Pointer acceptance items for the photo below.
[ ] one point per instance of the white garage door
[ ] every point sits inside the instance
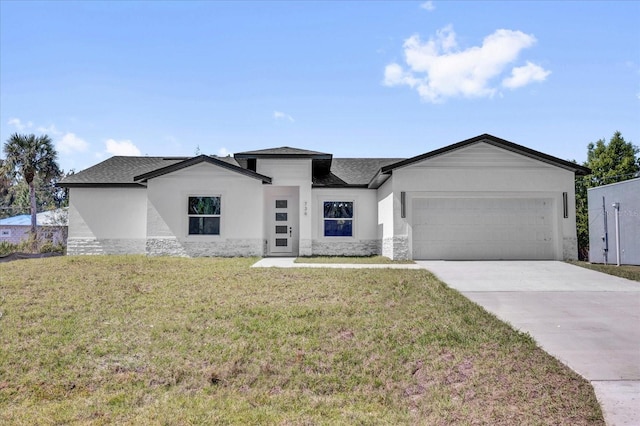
(483, 228)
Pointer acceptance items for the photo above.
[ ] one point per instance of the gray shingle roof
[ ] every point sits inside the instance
(353, 171)
(371, 172)
(119, 170)
(282, 151)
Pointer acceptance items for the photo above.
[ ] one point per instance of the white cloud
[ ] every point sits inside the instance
(428, 5)
(223, 152)
(18, 124)
(394, 75)
(279, 115)
(71, 143)
(123, 147)
(51, 129)
(521, 76)
(437, 69)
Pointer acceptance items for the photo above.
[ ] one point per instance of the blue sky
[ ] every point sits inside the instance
(355, 79)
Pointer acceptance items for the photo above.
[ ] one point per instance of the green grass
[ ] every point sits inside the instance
(136, 340)
(351, 260)
(630, 272)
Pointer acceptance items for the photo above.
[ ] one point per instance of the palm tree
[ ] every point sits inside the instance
(29, 157)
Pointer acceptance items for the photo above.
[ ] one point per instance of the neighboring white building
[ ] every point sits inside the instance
(482, 198)
(620, 199)
(52, 226)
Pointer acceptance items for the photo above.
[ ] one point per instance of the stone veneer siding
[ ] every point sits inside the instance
(169, 246)
(305, 248)
(396, 248)
(225, 248)
(345, 248)
(165, 247)
(89, 246)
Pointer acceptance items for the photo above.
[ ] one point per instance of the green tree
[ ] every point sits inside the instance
(611, 162)
(6, 193)
(30, 158)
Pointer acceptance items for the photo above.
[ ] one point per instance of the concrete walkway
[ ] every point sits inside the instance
(588, 320)
(289, 262)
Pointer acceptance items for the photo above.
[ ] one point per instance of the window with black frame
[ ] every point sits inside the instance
(204, 215)
(338, 218)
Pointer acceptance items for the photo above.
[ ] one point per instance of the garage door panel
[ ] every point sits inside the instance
(483, 228)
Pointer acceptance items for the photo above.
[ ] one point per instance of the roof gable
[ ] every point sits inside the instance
(483, 155)
(497, 142)
(197, 160)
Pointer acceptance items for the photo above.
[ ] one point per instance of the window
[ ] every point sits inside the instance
(204, 215)
(5, 233)
(338, 218)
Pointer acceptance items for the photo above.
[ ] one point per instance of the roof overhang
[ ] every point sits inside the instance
(101, 185)
(331, 186)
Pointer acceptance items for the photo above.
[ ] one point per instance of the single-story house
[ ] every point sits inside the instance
(51, 225)
(482, 198)
(620, 199)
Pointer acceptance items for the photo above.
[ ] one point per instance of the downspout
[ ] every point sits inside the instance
(616, 206)
(605, 238)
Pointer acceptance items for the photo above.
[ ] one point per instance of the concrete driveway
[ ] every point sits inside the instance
(588, 320)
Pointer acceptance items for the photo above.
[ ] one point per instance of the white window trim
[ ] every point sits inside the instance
(200, 236)
(323, 219)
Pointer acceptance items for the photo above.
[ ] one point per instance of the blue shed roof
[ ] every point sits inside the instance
(49, 218)
(22, 219)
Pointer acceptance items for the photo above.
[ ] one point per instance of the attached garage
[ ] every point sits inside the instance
(484, 228)
(480, 199)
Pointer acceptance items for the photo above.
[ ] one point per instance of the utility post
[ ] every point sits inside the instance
(616, 206)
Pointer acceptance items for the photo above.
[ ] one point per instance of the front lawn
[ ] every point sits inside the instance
(136, 340)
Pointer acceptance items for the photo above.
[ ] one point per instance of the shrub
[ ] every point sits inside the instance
(7, 248)
(50, 247)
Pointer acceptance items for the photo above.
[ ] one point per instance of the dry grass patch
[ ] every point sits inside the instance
(630, 272)
(136, 340)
